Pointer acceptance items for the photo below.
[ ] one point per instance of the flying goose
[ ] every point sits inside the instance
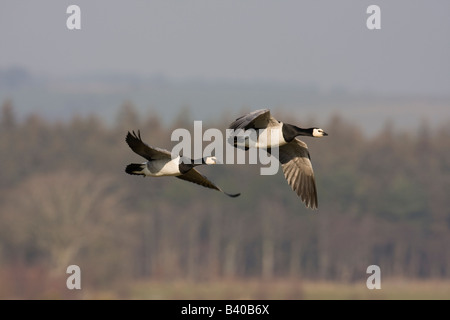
(160, 163)
(293, 153)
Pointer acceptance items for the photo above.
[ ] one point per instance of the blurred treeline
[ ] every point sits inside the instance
(65, 199)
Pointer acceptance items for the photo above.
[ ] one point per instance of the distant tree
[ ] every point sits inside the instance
(64, 196)
(63, 217)
(127, 117)
(7, 118)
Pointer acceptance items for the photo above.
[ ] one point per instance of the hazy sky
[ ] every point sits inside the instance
(325, 42)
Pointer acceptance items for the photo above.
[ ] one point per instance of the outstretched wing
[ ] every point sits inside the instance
(298, 171)
(136, 144)
(258, 119)
(196, 177)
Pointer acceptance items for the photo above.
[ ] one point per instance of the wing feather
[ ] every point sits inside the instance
(196, 177)
(136, 144)
(258, 119)
(298, 171)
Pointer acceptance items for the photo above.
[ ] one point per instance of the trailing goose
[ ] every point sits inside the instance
(160, 163)
(293, 153)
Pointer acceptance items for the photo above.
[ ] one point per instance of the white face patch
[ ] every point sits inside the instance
(317, 132)
(210, 160)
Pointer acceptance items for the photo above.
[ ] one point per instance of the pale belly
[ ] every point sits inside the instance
(159, 168)
(270, 138)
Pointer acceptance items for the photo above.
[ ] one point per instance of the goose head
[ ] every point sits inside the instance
(210, 160)
(290, 132)
(318, 133)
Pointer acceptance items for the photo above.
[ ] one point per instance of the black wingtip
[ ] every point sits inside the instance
(129, 137)
(233, 195)
(134, 168)
(133, 135)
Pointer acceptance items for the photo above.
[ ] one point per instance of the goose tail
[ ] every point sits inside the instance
(135, 168)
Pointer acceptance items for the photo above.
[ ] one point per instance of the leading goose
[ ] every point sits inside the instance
(160, 163)
(293, 153)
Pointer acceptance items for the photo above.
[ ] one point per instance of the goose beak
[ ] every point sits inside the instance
(325, 134)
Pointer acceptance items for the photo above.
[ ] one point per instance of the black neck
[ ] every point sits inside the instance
(290, 132)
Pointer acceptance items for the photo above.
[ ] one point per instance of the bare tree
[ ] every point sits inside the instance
(59, 214)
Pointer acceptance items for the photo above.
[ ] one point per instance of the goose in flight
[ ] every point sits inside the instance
(160, 163)
(293, 153)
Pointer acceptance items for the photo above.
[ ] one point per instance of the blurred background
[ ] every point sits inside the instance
(68, 98)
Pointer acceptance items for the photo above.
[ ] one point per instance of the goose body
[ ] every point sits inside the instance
(293, 153)
(160, 168)
(270, 137)
(160, 163)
